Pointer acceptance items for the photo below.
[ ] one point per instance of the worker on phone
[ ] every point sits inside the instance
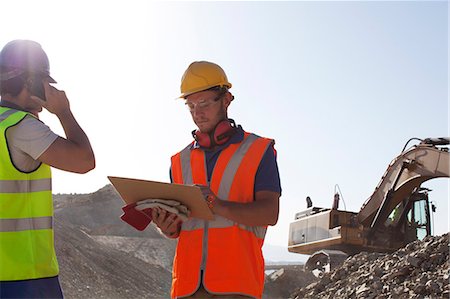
(28, 264)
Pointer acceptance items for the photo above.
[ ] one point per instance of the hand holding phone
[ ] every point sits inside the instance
(51, 98)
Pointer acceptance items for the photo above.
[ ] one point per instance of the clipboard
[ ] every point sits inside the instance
(133, 190)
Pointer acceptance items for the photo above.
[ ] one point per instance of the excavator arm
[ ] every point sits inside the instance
(403, 177)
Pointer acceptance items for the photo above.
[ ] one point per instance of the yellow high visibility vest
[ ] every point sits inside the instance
(26, 214)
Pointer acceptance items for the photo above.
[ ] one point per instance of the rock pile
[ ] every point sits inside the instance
(419, 270)
(281, 283)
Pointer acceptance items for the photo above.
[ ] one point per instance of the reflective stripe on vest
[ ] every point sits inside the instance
(26, 214)
(6, 114)
(189, 167)
(15, 225)
(23, 186)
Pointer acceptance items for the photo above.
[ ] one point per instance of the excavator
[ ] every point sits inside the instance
(397, 213)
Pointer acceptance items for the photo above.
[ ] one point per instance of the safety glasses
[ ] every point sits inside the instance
(202, 104)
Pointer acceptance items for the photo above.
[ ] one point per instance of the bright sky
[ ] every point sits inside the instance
(340, 86)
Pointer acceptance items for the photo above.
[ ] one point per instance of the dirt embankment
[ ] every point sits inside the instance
(100, 256)
(89, 269)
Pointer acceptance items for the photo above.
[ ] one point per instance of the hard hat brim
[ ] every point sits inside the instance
(188, 93)
(51, 80)
(17, 72)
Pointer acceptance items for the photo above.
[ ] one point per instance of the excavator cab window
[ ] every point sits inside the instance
(418, 224)
(419, 219)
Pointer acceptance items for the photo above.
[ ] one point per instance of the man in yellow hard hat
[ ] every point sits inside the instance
(28, 264)
(221, 258)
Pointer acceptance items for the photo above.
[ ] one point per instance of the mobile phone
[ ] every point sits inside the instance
(37, 88)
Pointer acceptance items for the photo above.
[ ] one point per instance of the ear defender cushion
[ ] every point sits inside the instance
(202, 139)
(222, 132)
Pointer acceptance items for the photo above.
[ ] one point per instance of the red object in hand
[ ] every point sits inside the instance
(137, 219)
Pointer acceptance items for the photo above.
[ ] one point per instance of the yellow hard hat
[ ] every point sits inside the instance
(202, 75)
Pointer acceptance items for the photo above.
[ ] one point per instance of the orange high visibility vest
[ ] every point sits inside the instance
(228, 253)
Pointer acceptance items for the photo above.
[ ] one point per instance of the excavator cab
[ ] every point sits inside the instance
(412, 218)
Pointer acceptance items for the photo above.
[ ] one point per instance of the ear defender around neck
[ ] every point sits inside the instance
(220, 135)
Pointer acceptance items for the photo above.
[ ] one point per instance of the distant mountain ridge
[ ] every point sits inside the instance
(280, 255)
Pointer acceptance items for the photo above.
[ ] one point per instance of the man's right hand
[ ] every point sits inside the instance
(56, 100)
(168, 223)
(73, 153)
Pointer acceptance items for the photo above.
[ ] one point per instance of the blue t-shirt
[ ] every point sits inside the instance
(267, 176)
